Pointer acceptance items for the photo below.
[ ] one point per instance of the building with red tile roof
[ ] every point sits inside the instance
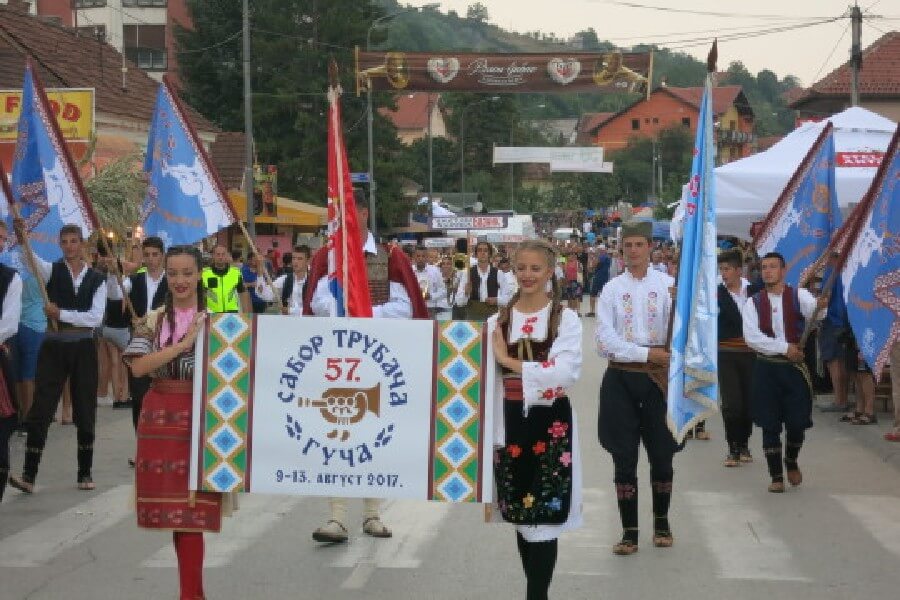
(124, 95)
(879, 84)
(669, 107)
(411, 116)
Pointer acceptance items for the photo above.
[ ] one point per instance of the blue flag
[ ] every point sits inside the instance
(693, 368)
(806, 215)
(45, 184)
(871, 274)
(185, 200)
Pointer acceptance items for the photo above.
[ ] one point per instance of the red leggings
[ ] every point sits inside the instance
(189, 549)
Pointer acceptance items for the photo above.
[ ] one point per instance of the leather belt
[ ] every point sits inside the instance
(512, 389)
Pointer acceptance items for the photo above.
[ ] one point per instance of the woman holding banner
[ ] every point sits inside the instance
(537, 467)
(163, 348)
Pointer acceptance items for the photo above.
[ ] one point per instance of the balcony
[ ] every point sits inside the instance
(730, 136)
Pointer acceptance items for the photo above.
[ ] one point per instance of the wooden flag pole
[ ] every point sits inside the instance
(126, 301)
(32, 262)
(259, 259)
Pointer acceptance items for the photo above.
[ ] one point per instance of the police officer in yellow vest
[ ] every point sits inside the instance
(224, 285)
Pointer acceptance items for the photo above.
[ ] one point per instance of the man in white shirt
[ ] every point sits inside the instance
(291, 287)
(632, 326)
(77, 303)
(484, 291)
(395, 295)
(774, 320)
(431, 283)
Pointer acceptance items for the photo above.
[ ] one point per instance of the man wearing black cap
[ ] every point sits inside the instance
(632, 327)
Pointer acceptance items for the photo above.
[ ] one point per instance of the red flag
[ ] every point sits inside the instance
(347, 275)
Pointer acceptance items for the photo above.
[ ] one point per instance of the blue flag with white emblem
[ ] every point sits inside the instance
(806, 215)
(46, 186)
(693, 367)
(185, 200)
(871, 273)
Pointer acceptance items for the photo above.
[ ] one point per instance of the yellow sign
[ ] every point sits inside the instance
(73, 107)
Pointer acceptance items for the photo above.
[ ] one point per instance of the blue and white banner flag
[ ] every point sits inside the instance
(185, 200)
(806, 215)
(45, 184)
(871, 274)
(693, 367)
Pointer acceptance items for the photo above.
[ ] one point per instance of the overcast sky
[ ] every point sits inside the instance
(808, 53)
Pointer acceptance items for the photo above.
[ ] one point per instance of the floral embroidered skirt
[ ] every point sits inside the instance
(533, 472)
(162, 468)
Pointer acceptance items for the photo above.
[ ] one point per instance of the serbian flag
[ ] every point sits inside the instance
(185, 199)
(806, 215)
(348, 278)
(45, 185)
(693, 367)
(871, 269)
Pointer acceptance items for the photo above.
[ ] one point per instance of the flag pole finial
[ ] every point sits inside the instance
(713, 57)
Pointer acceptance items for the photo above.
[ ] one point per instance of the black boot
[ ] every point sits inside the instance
(662, 498)
(85, 460)
(791, 452)
(776, 471)
(4, 475)
(627, 496)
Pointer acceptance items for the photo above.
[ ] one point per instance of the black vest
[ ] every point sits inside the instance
(6, 277)
(288, 288)
(138, 293)
(731, 323)
(61, 288)
(493, 286)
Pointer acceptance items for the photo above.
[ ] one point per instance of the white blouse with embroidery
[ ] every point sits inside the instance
(633, 314)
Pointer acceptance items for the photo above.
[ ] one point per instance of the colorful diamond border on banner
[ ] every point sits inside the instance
(458, 413)
(227, 386)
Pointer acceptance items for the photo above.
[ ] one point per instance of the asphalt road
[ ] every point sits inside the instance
(835, 537)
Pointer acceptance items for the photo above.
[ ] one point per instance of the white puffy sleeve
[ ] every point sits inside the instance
(543, 382)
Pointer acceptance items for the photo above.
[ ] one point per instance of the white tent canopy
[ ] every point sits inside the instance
(746, 189)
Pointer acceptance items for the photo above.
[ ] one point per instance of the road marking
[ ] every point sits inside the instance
(880, 515)
(40, 543)
(414, 523)
(257, 514)
(587, 551)
(740, 538)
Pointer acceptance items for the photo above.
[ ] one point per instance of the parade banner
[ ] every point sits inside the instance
(806, 214)
(382, 408)
(495, 73)
(586, 156)
(185, 199)
(72, 107)
(693, 369)
(46, 186)
(871, 270)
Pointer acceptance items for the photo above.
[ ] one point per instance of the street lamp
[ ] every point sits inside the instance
(370, 117)
(462, 142)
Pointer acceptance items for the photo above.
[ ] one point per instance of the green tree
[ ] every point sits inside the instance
(477, 12)
(292, 42)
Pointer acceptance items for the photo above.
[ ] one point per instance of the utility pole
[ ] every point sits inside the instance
(431, 99)
(855, 53)
(248, 128)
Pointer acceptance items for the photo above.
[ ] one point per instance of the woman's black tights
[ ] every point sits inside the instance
(538, 561)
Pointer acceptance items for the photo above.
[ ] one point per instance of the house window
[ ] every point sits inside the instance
(656, 120)
(145, 2)
(686, 121)
(647, 121)
(732, 125)
(89, 3)
(97, 32)
(635, 124)
(145, 46)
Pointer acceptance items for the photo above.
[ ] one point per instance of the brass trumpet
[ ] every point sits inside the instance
(395, 69)
(345, 406)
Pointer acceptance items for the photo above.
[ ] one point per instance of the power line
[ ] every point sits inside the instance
(216, 45)
(705, 13)
(830, 54)
(730, 38)
(718, 30)
(307, 41)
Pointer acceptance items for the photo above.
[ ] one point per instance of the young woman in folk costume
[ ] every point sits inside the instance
(537, 467)
(163, 348)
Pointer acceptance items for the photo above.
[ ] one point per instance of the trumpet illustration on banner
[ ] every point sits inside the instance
(395, 69)
(344, 407)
